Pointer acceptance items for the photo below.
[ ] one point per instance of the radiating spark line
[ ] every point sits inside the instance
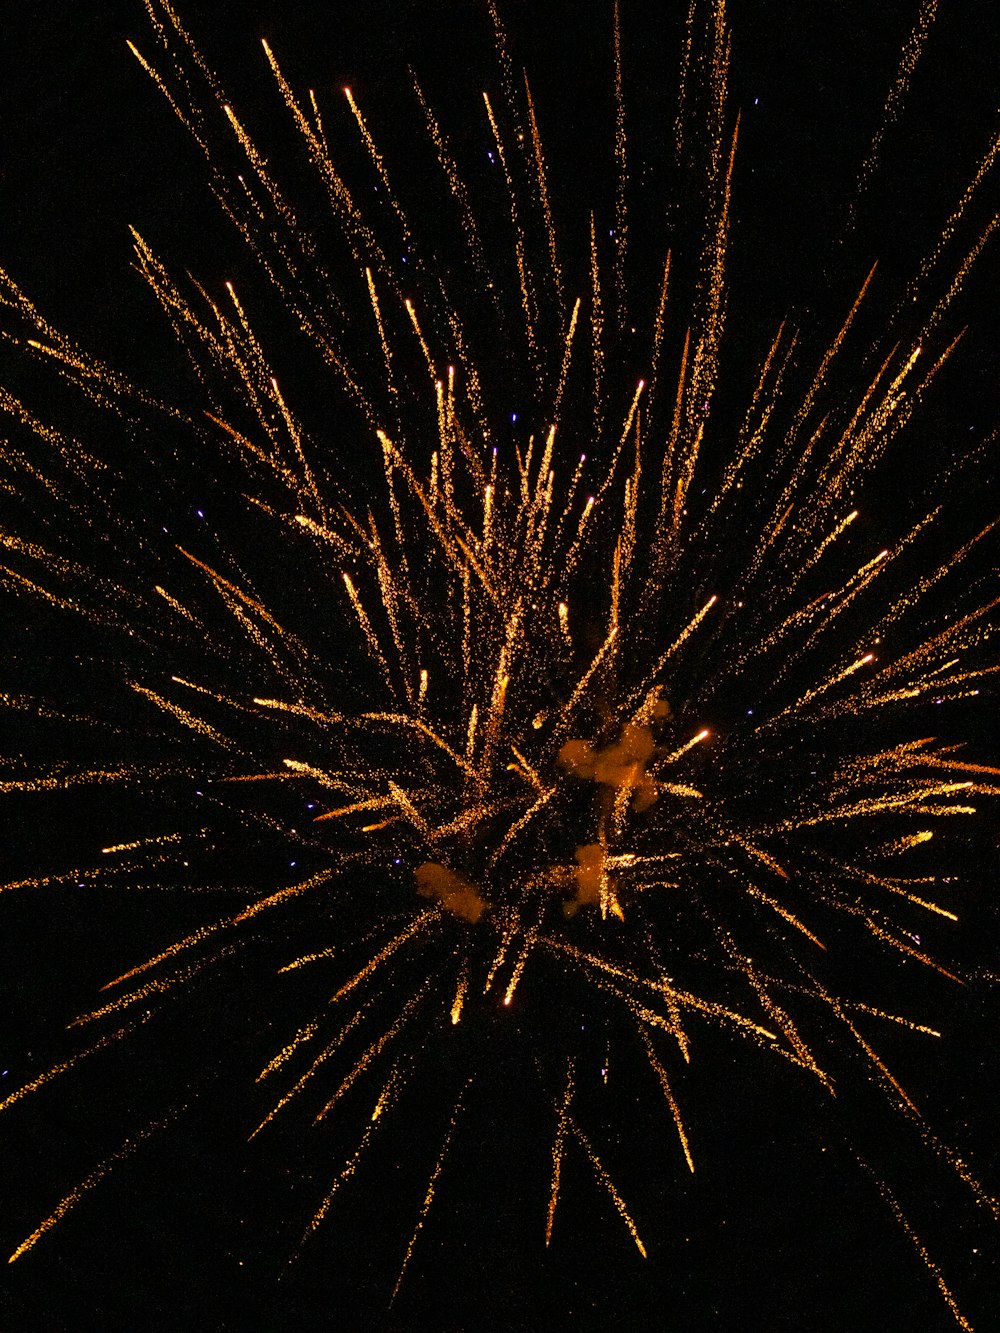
(621, 212)
(303, 1035)
(189, 720)
(156, 986)
(670, 993)
(66, 781)
(790, 917)
(385, 1099)
(373, 1051)
(543, 195)
(206, 932)
(908, 61)
(608, 1183)
(54, 1071)
(920, 1248)
(688, 745)
(429, 1196)
(330, 1049)
(156, 841)
(307, 958)
(69, 1201)
(661, 1074)
(459, 1000)
(557, 1152)
(415, 926)
(527, 301)
(873, 1057)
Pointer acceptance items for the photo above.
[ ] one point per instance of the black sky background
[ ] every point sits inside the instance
(779, 1229)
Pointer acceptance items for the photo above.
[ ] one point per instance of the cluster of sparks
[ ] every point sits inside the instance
(546, 769)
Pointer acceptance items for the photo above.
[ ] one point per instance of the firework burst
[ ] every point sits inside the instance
(557, 712)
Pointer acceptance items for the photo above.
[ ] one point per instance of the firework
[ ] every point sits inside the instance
(589, 732)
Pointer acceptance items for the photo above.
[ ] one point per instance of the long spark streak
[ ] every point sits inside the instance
(428, 1197)
(608, 1183)
(70, 1200)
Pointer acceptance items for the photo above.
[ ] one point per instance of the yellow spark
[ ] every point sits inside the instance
(557, 1152)
(662, 988)
(304, 1034)
(324, 533)
(873, 1057)
(688, 745)
(828, 684)
(522, 958)
(385, 1100)
(661, 1074)
(429, 1196)
(317, 1063)
(95, 1177)
(307, 958)
(459, 1000)
(790, 917)
(910, 55)
(189, 720)
(159, 841)
(523, 272)
(55, 1070)
(543, 193)
(374, 1050)
(366, 626)
(156, 986)
(487, 513)
(404, 936)
(470, 740)
(905, 843)
(174, 603)
(64, 781)
(921, 1249)
(608, 1184)
(685, 633)
(908, 949)
(373, 803)
(303, 710)
(758, 854)
(526, 769)
(418, 724)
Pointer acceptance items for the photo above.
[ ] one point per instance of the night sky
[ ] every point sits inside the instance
(779, 1228)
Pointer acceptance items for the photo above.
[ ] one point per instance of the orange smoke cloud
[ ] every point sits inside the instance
(455, 894)
(621, 766)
